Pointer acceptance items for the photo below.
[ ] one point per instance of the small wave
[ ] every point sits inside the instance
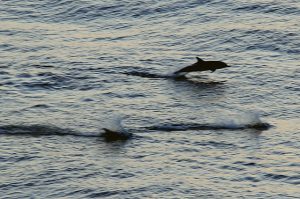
(291, 179)
(216, 144)
(53, 81)
(102, 194)
(70, 10)
(274, 176)
(40, 106)
(47, 80)
(245, 163)
(250, 178)
(280, 8)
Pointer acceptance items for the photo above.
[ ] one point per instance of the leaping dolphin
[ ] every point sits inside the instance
(202, 65)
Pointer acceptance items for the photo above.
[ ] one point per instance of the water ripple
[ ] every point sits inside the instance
(80, 64)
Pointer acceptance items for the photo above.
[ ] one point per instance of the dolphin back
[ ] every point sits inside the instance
(202, 65)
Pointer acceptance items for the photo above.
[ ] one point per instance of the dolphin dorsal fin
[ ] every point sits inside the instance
(199, 60)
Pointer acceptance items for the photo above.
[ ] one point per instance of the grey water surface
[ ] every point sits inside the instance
(70, 68)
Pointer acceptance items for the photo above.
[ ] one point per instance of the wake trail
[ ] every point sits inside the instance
(116, 130)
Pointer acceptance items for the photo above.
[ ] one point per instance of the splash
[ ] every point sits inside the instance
(241, 120)
(115, 124)
(115, 131)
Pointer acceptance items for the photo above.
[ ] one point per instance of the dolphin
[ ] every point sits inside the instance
(110, 135)
(202, 65)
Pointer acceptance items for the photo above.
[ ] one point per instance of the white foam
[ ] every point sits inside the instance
(238, 120)
(115, 124)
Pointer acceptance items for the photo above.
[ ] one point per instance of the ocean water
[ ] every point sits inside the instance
(70, 68)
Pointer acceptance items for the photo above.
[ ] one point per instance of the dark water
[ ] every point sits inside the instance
(70, 68)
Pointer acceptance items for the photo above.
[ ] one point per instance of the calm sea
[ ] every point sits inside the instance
(70, 68)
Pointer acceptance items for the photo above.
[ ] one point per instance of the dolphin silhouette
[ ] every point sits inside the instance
(110, 135)
(202, 65)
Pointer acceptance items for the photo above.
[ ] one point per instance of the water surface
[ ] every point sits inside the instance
(70, 68)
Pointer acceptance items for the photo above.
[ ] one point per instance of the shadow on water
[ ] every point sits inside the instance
(170, 76)
(110, 147)
(197, 87)
(201, 84)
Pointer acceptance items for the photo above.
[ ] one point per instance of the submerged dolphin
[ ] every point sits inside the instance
(202, 65)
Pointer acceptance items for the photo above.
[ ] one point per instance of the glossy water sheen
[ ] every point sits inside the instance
(70, 68)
